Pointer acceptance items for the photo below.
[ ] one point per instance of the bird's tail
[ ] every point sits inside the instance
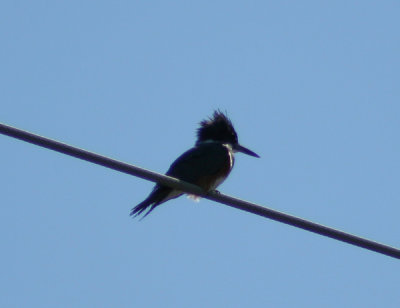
(159, 195)
(148, 204)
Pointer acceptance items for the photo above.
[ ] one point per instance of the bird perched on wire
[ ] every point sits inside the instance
(207, 164)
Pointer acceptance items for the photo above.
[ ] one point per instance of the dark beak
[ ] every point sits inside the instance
(242, 149)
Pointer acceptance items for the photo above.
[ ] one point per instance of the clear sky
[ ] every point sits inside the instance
(311, 86)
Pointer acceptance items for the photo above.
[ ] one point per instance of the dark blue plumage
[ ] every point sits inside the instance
(207, 164)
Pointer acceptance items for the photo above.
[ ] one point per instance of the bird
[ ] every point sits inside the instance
(206, 165)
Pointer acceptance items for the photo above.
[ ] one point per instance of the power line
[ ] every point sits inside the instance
(193, 189)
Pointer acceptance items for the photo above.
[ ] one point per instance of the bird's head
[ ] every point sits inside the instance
(218, 128)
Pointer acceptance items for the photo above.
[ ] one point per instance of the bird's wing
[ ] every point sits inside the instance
(199, 163)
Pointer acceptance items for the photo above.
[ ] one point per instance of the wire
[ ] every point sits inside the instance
(193, 189)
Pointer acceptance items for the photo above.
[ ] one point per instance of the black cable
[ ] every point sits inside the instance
(192, 189)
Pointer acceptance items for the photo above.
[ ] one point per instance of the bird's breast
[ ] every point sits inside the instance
(223, 164)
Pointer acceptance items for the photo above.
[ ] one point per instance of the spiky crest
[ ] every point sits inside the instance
(218, 127)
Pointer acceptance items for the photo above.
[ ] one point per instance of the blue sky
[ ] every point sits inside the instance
(311, 86)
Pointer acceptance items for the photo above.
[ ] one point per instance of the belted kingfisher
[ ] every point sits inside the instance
(207, 164)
